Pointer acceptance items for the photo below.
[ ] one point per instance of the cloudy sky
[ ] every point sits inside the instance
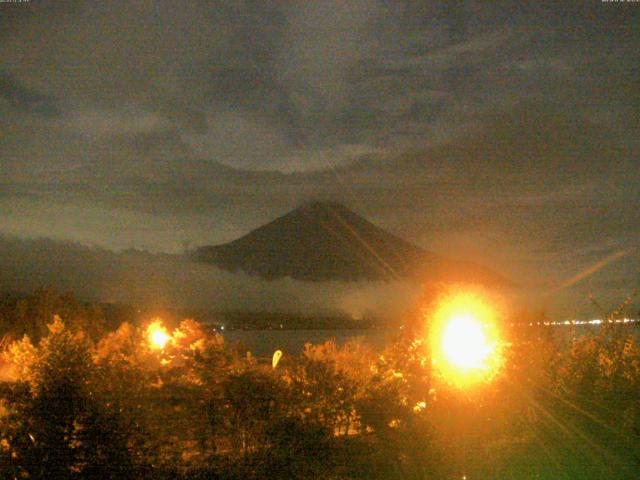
(506, 131)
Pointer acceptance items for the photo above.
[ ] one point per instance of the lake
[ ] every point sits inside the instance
(262, 343)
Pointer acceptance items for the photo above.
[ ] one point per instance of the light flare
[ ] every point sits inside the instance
(157, 335)
(465, 342)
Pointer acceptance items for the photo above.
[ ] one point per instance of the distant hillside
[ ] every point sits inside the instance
(326, 241)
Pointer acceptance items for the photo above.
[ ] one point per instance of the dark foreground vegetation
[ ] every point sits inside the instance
(82, 399)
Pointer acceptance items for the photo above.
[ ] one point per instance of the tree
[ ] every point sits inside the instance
(55, 427)
(253, 399)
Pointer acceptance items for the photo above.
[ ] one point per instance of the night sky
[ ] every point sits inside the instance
(504, 132)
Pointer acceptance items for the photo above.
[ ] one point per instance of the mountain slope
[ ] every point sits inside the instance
(326, 241)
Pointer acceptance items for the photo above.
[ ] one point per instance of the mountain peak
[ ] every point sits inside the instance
(322, 241)
(321, 205)
(316, 209)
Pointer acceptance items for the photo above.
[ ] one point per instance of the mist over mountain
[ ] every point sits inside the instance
(159, 280)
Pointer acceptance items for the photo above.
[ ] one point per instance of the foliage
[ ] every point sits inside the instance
(55, 427)
(116, 405)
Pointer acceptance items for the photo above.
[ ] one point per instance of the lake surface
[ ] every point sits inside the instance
(262, 343)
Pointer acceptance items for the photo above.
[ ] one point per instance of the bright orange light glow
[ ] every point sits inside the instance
(157, 335)
(465, 343)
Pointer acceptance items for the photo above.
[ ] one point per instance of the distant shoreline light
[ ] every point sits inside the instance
(595, 321)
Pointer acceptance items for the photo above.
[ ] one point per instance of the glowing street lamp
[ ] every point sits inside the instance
(464, 340)
(465, 344)
(157, 335)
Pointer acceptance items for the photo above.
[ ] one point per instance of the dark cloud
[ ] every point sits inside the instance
(19, 98)
(299, 82)
(456, 124)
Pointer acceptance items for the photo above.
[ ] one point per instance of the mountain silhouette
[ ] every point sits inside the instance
(322, 241)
